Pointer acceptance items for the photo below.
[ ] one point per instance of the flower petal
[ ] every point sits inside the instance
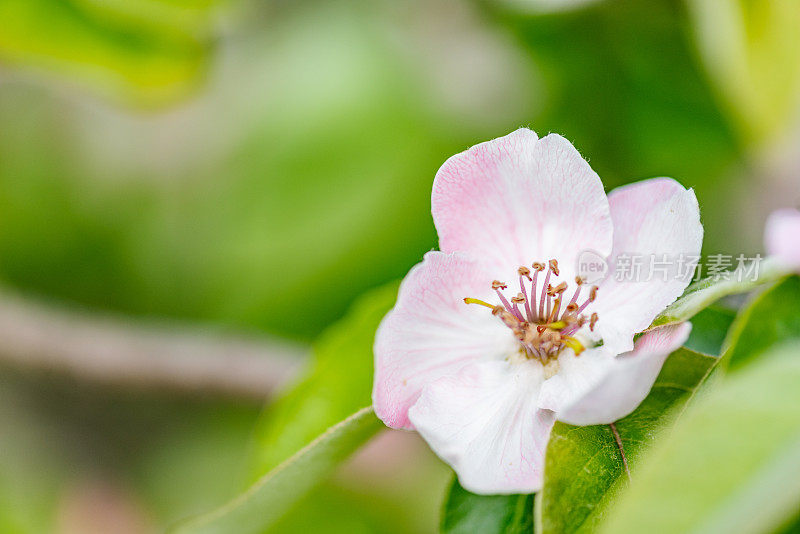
(628, 379)
(519, 199)
(657, 219)
(485, 424)
(782, 237)
(576, 375)
(431, 332)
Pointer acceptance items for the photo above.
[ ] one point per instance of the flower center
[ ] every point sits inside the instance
(538, 317)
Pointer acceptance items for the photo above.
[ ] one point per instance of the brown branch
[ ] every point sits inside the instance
(621, 450)
(127, 354)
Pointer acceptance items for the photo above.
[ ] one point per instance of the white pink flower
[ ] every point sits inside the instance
(782, 237)
(494, 337)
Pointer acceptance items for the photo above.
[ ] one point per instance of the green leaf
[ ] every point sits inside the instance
(119, 55)
(709, 328)
(270, 497)
(467, 513)
(338, 383)
(584, 466)
(772, 317)
(629, 63)
(751, 51)
(731, 464)
(702, 294)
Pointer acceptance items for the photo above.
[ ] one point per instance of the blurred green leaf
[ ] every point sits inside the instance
(334, 509)
(731, 464)
(709, 328)
(193, 17)
(751, 51)
(771, 318)
(584, 469)
(704, 293)
(115, 54)
(338, 383)
(621, 81)
(467, 513)
(315, 116)
(274, 494)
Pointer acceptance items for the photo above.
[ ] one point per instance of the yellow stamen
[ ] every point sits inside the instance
(576, 346)
(470, 300)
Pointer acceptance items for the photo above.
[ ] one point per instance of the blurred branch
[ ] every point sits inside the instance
(112, 351)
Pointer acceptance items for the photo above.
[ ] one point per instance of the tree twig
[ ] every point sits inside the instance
(621, 450)
(129, 354)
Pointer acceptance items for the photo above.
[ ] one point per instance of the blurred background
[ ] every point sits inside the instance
(192, 191)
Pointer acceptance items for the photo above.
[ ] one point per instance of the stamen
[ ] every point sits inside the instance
(545, 334)
(550, 295)
(517, 300)
(508, 319)
(537, 267)
(554, 314)
(592, 297)
(579, 283)
(497, 286)
(545, 289)
(525, 272)
(556, 309)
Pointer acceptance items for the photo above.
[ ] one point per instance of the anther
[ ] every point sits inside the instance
(578, 281)
(592, 297)
(560, 288)
(497, 284)
(520, 298)
(592, 322)
(538, 266)
(524, 271)
(572, 307)
(554, 266)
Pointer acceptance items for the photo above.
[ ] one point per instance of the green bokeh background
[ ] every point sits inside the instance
(257, 165)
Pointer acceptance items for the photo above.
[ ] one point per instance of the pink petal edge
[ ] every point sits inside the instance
(431, 332)
(782, 237)
(519, 199)
(484, 422)
(651, 218)
(629, 380)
